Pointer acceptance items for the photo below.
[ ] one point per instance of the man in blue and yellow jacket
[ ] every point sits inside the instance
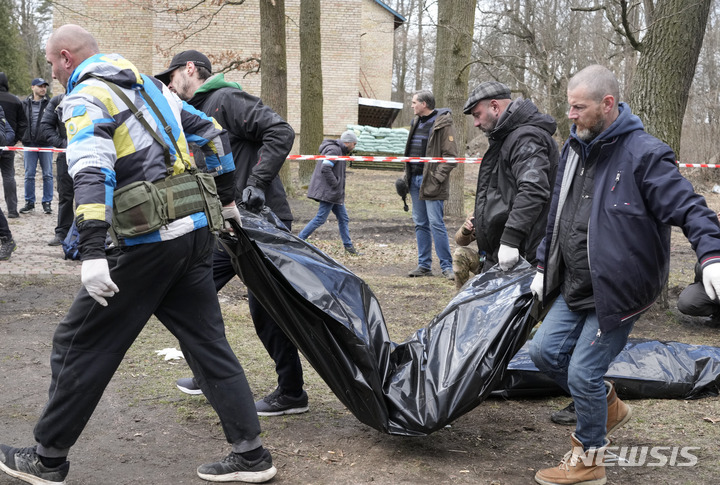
(166, 272)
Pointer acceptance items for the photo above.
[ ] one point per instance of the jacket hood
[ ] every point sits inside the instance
(442, 118)
(522, 112)
(4, 86)
(112, 67)
(623, 124)
(216, 82)
(329, 142)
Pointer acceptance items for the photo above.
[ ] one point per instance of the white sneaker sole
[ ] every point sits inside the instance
(192, 392)
(27, 478)
(247, 477)
(286, 411)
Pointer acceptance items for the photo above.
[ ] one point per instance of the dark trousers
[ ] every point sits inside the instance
(173, 281)
(7, 168)
(66, 193)
(5, 233)
(694, 301)
(280, 348)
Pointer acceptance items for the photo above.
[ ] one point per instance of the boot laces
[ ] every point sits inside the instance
(569, 460)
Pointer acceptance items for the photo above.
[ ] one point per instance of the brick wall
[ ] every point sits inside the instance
(356, 38)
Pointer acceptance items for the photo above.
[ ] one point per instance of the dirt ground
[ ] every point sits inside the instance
(156, 435)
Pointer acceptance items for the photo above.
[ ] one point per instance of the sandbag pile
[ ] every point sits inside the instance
(380, 140)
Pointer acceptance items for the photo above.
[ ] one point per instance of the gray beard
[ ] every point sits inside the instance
(589, 134)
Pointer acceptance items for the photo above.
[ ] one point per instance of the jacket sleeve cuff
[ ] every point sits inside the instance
(512, 237)
(709, 259)
(92, 242)
(225, 185)
(256, 182)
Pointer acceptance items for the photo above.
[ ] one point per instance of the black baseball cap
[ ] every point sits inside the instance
(181, 59)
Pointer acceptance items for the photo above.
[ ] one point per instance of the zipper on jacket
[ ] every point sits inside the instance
(617, 179)
(597, 336)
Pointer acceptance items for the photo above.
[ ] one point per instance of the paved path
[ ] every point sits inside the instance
(32, 232)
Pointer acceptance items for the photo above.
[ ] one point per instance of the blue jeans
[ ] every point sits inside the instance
(31, 159)
(429, 224)
(567, 348)
(322, 215)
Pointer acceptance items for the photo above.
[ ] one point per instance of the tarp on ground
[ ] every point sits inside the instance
(644, 369)
(414, 388)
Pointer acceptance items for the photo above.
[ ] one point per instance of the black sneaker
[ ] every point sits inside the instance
(189, 385)
(25, 464)
(47, 208)
(565, 416)
(420, 271)
(235, 468)
(7, 246)
(13, 215)
(276, 404)
(352, 250)
(29, 207)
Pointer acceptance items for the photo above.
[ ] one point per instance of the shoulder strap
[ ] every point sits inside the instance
(139, 116)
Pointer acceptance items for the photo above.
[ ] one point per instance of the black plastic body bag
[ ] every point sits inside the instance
(414, 388)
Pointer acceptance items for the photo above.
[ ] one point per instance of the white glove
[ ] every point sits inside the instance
(536, 287)
(95, 276)
(231, 211)
(507, 257)
(711, 280)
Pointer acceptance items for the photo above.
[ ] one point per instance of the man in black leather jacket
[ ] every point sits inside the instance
(516, 177)
(260, 141)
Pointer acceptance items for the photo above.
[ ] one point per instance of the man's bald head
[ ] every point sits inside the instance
(593, 96)
(74, 39)
(598, 81)
(67, 48)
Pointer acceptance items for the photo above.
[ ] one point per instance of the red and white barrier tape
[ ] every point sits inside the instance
(385, 159)
(361, 158)
(34, 149)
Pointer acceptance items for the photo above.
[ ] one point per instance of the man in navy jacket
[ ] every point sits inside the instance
(605, 258)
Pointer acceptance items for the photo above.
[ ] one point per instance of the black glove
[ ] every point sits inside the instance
(402, 190)
(253, 198)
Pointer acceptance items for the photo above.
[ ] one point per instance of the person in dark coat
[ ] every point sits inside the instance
(7, 244)
(327, 186)
(15, 117)
(260, 141)
(53, 130)
(432, 134)
(516, 175)
(34, 106)
(605, 258)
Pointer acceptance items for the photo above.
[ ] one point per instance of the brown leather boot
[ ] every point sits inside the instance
(577, 467)
(618, 412)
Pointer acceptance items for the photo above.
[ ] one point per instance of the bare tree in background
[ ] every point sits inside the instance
(273, 55)
(668, 55)
(34, 18)
(311, 96)
(456, 19)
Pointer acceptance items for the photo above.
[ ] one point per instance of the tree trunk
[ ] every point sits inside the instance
(456, 19)
(400, 63)
(274, 66)
(419, 64)
(311, 96)
(669, 55)
(666, 67)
